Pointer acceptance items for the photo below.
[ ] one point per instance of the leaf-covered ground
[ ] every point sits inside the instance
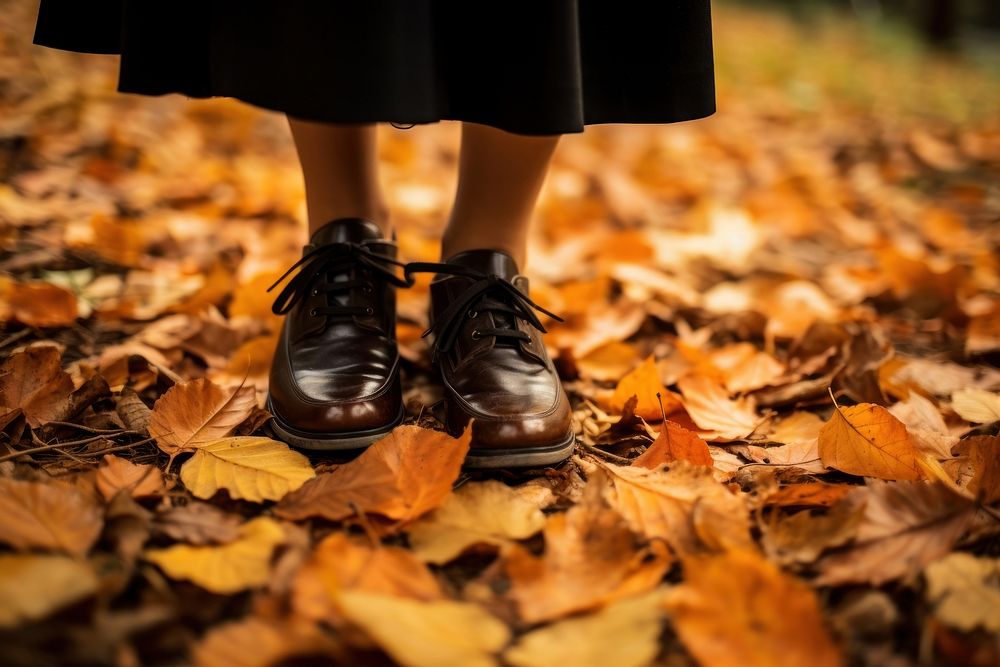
(804, 285)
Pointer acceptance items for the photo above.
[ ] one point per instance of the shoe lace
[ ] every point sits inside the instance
(319, 267)
(488, 292)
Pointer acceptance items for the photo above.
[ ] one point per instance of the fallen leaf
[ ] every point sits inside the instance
(260, 642)
(608, 362)
(40, 304)
(976, 405)
(230, 568)
(964, 592)
(488, 512)
(427, 634)
(402, 476)
(816, 494)
(924, 422)
(683, 505)
(802, 537)
(591, 558)
(34, 381)
(674, 443)
(739, 604)
(904, 527)
(644, 383)
(624, 634)
(198, 523)
(343, 563)
(116, 474)
(47, 515)
(710, 407)
(866, 440)
(249, 468)
(982, 454)
(32, 586)
(196, 413)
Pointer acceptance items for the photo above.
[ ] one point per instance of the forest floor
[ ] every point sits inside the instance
(805, 285)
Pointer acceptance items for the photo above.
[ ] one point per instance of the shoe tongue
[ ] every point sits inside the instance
(346, 230)
(487, 261)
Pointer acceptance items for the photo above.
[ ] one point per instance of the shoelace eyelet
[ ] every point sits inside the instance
(314, 292)
(312, 313)
(473, 314)
(369, 311)
(475, 334)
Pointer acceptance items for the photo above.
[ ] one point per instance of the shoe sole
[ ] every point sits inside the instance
(329, 442)
(521, 457)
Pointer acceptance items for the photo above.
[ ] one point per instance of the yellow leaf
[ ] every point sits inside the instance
(195, 413)
(249, 468)
(260, 642)
(427, 634)
(34, 586)
(48, 516)
(624, 634)
(488, 512)
(229, 568)
(976, 405)
(866, 440)
(964, 591)
(738, 606)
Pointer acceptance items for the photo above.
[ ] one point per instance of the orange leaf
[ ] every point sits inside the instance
(675, 443)
(739, 604)
(644, 383)
(116, 474)
(40, 304)
(710, 408)
(196, 413)
(48, 516)
(34, 381)
(405, 474)
(866, 440)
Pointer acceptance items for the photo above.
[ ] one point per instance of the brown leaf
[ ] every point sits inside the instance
(140, 481)
(674, 443)
(866, 440)
(341, 563)
(196, 413)
(40, 304)
(710, 408)
(802, 537)
(47, 515)
(198, 523)
(815, 494)
(261, 642)
(405, 474)
(682, 504)
(132, 411)
(644, 382)
(34, 381)
(739, 604)
(591, 558)
(982, 455)
(904, 527)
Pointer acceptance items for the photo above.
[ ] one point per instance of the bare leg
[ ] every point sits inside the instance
(499, 177)
(340, 166)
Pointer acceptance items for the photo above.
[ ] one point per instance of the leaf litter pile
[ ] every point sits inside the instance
(782, 327)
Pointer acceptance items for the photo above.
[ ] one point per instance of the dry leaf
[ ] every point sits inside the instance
(488, 512)
(924, 422)
(624, 634)
(34, 381)
(47, 515)
(427, 634)
(866, 440)
(39, 304)
(342, 563)
(230, 568)
(904, 527)
(964, 591)
(644, 383)
(199, 523)
(196, 413)
(674, 443)
(259, 642)
(32, 586)
(405, 474)
(682, 504)
(983, 458)
(710, 408)
(249, 468)
(976, 405)
(591, 558)
(802, 537)
(739, 604)
(140, 481)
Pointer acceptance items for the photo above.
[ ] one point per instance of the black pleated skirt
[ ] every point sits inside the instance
(525, 66)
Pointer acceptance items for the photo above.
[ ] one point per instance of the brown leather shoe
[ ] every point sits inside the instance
(334, 381)
(493, 363)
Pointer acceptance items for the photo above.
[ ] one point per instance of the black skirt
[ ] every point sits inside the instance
(525, 66)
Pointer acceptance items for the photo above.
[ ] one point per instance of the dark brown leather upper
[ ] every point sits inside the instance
(507, 384)
(336, 366)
